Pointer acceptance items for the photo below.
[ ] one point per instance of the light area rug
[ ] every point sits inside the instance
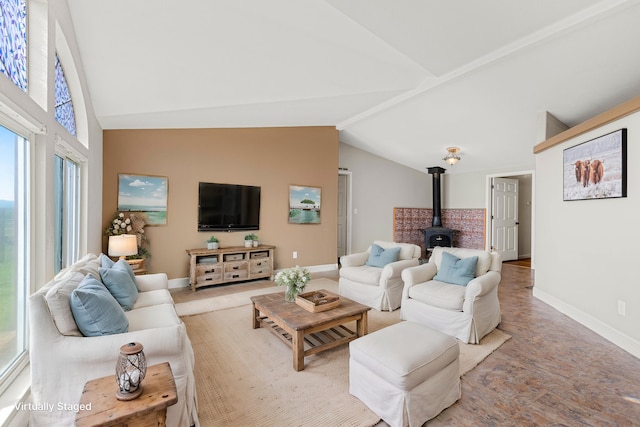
(242, 298)
(245, 376)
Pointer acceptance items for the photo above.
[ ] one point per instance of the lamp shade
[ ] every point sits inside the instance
(123, 245)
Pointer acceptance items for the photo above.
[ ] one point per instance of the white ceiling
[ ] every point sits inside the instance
(403, 79)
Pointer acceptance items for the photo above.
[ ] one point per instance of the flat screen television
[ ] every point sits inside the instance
(228, 207)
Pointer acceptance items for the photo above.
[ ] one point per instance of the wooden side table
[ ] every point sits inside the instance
(99, 406)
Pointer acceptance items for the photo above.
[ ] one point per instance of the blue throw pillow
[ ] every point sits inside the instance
(455, 270)
(105, 261)
(380, 257)
(95, 310)
(121, 282)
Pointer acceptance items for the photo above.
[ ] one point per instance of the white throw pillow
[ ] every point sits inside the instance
(57, 298)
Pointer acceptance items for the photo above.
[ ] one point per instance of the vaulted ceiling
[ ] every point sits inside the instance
(403, 79)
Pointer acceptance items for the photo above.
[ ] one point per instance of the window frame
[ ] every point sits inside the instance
(72, 204)
(23, 223)
(60, 104)
(20, 78)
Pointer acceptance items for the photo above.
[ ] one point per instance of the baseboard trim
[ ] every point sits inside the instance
(606, 331)
(183, 282)
(322, 268)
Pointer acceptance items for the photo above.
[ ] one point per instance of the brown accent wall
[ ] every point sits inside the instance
(272, 158)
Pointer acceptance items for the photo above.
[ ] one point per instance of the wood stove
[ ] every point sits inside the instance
(437, 235)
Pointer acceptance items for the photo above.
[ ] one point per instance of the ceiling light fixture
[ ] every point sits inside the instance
(451, 157)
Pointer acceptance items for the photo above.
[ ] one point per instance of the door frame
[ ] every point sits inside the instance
(349, 177)
(489, 212)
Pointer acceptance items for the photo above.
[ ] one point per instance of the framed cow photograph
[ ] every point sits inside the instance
(596, 169)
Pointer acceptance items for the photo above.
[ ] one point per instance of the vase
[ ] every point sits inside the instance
(291, 293)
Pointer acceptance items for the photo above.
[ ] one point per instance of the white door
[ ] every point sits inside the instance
(504, 218)
(343, 190)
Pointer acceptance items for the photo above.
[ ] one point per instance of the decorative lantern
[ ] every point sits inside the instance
(130, 371)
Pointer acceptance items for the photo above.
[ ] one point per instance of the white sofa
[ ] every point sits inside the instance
(378, 287)
(465, 312)
(63, 360)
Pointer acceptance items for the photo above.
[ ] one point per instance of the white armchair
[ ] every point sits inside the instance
(465, 312)
(378, 287)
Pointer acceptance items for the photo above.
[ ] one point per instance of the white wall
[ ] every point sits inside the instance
(378, 186)
(464, 190)
(469, 190)
(586, 251)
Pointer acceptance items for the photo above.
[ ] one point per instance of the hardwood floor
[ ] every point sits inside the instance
(523, 262)
(553, 371)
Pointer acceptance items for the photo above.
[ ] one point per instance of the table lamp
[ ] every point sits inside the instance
(123, 245)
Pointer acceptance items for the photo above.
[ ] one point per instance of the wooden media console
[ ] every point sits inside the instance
(209, 267)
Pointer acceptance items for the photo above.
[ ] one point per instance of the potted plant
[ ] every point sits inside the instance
(256, 241)
(248, 240)
(213, 243)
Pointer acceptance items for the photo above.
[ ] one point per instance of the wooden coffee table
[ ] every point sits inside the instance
(305, 332)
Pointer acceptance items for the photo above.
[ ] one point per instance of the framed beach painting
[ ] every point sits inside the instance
(596, 169)
(145, 194)
(304, 204)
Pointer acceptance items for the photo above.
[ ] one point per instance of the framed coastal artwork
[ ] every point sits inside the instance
(304, 204)
(596, 169)
(144, 194)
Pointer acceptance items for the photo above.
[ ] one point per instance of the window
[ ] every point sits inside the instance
(13, 41)
(13, 250)
(64, 104)
(67, 211)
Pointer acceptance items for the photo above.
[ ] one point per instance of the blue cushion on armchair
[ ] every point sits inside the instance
(380, 257)
(455, 270)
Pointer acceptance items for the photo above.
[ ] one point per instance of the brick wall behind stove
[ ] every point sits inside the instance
(468, 226)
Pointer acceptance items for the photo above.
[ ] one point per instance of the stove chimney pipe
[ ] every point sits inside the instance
(436, 171)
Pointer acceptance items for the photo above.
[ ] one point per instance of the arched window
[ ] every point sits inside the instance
(13, 41)
(64, 104)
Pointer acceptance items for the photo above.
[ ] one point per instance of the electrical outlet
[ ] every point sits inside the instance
(295, 254)
(622, 308)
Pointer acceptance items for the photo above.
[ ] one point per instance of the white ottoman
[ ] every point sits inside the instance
(406, 373)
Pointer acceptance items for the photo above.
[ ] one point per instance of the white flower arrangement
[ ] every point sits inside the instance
(120, 225)
(295, 279)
